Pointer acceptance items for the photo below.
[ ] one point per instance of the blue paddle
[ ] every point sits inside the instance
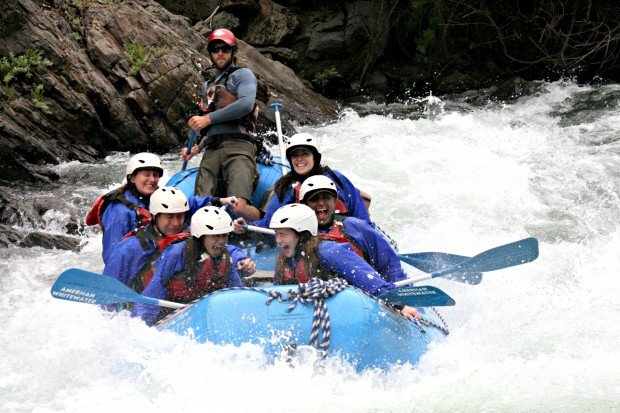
(418, 296)
(84, 286)
(515, 253)
(434, 261)
(88, 287)
(190, 144)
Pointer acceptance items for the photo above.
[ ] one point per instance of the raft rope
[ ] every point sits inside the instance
(314, 291)
(423, 322)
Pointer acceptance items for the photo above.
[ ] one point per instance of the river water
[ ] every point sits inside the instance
(460, 175)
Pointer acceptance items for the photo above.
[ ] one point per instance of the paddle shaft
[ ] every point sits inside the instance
(276, 108)
(262, 230)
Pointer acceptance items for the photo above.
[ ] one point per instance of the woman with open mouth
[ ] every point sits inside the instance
(304, 256)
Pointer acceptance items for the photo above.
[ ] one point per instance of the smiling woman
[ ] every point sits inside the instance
(303, 155)
(126, 208)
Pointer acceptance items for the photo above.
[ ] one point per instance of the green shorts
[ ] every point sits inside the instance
(230, 169)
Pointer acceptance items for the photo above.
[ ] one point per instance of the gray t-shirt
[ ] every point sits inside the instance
(241, 83)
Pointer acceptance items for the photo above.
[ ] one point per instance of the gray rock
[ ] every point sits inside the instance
(322, 44)
(271, 25)
(50, 241)
(9, 236)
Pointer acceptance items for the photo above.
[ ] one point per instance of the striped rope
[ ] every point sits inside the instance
(315, 291)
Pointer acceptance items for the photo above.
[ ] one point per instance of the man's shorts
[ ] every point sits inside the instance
(230, 169)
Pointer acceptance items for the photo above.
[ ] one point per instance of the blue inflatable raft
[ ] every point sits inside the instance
(362, 330)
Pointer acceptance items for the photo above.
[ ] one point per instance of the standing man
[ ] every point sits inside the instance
(228, 126)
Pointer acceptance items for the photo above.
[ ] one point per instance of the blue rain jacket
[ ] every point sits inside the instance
(375, 248)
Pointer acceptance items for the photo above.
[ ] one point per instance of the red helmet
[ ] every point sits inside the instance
(224, 35)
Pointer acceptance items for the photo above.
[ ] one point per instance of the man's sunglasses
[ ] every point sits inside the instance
(224, 48)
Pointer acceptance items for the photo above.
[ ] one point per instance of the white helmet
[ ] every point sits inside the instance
(299, 217)
(303, 140)
(169, 200)
(317, 183)
(211, 221)
(144, 160)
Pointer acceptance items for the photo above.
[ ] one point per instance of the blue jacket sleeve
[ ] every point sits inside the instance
(196, 202)
(273, 205)
(348, 265)
(351, 196)
(242, 83)
(127, 259)
(117, 221)
(170, 262)
(236, 254)
(378, 251)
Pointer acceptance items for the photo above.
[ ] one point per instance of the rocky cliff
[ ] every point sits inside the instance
(119, 76)
(83, 78)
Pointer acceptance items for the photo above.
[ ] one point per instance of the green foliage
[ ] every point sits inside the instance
(117, 2)
(12, 66)
(324, 78)
(10, 91)
(36, 95)
(422, 22)
(139, 57)
(80, 4)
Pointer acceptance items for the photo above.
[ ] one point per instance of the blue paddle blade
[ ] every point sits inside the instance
(430, 262)
(515, 253)
(418, 296)
(88, 287)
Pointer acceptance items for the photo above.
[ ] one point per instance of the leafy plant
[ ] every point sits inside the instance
(324, 78)
(12, 66)
(139, 56)
(36, 95)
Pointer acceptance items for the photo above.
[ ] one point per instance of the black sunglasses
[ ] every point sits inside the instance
(224, 48)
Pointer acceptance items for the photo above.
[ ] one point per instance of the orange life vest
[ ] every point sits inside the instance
(144, 277)
(184, 287)
(295, 277)
(338, 234)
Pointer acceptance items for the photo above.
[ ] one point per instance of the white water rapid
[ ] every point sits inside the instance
(461, 179)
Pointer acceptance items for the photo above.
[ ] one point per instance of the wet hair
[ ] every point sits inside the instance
(284, 183)
(307, 248)
(193, 251)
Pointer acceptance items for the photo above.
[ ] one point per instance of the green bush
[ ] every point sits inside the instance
(12, 66)
(324, 78)
(139, 57)
(36, 95)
